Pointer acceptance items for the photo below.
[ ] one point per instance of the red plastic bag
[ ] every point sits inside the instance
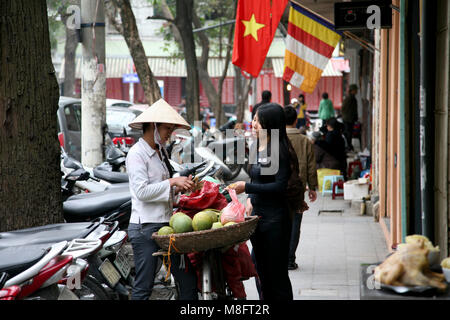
(234, 211)
(208, 197)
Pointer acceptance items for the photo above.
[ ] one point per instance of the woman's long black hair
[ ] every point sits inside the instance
(271, 116)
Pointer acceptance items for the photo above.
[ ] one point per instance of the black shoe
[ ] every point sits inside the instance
(292, 266)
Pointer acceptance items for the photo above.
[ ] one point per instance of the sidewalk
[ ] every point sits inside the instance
(332, 247)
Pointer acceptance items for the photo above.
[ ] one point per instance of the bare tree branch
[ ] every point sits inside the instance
(111, 11)
(157, 17)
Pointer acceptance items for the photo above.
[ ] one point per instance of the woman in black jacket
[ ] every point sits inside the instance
(267, 199)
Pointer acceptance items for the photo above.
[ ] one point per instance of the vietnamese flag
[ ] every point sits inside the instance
(256, 23)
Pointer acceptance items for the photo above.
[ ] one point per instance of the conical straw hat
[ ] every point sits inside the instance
(159, 112)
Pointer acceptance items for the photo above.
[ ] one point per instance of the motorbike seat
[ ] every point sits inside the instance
(123, 185)
(96, 204)
(111, 176)
(46, 235)
(14, 260)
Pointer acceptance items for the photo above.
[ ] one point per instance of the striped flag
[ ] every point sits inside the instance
(309, 45)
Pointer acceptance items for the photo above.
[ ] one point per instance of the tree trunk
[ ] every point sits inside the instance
(93, 84)
(183, 21)
(208, 86)
(242, 88)
(70, 48)
(131, 35)
(214, 95)
(30, 177)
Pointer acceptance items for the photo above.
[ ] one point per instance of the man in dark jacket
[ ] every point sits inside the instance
(350, 113)
(266, 97)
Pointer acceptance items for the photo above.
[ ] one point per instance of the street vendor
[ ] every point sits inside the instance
(267, 199)
(153, 190)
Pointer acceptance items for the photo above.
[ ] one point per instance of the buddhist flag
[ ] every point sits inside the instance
(256, 23)
(309, 45)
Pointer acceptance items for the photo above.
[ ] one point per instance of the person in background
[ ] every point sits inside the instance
(301, 111)
(266, 96)
(349, 113)
(323, 158)
(326, 110)
(308, 175)
(334, 144)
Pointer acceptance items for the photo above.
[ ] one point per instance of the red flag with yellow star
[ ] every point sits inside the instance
(256, 23)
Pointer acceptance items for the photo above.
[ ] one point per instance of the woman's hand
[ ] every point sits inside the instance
(182, 184)
(239, 187)
(249, 207)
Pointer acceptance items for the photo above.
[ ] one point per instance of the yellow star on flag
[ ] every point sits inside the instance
(252, 27)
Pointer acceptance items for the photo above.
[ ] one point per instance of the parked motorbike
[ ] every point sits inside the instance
(231, 150)
(109, 241)
(43, 271)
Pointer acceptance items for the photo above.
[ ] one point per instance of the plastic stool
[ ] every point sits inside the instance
(332, 180)
(338, 185)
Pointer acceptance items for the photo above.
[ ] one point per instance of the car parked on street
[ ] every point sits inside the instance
(69, 124)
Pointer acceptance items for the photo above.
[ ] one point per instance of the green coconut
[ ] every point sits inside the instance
(212, 214)
(164, 231)
(173, 217)
(182, 223)
(202, 221)
(229, 223)
(216, 225)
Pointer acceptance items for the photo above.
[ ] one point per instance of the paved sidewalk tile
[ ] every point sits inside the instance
(330, 252)
(332, 247)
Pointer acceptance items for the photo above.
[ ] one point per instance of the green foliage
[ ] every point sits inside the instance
(55, 8)
(210, 13)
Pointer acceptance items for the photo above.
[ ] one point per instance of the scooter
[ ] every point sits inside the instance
(230, 149)
(104, 233)
(44, 271)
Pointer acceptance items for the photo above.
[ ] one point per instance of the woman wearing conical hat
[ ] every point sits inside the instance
(152, 190)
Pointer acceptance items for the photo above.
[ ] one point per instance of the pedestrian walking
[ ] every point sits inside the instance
(301, 111)
(350, 113)
(266, 97)
(267, 199)
(326, 109)
(308, 175)
(153, 191)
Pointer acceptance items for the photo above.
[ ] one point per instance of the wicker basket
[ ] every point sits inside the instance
(197, 241)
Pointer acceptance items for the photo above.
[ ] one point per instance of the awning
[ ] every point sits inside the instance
(116, 67)
(278, 67)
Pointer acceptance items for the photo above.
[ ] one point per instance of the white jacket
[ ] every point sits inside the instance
(151, 194)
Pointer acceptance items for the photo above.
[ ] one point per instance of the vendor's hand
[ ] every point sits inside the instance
(312, 195)
(182, 184)
(239, 186)
(249, 207)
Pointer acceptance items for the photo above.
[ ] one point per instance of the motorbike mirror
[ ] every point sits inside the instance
(71, 163)
(78, 175)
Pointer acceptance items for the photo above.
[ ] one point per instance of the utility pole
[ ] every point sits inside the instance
(93, 83)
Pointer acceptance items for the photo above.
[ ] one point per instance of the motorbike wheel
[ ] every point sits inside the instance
(91, 289)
